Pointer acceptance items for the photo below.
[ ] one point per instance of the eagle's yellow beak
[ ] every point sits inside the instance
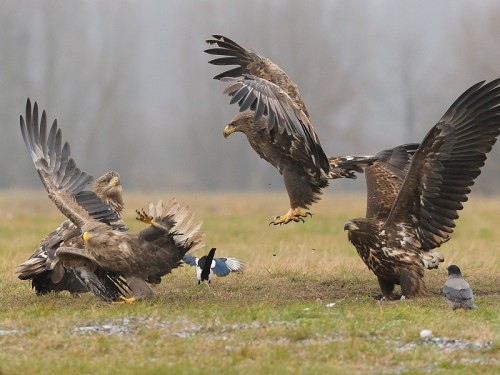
(228, 130)
(86, 236)
(115, 181)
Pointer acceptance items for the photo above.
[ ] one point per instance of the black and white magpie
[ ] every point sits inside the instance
(207, 264)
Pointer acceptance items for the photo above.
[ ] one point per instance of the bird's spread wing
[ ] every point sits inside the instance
(173, 232)
(385, 177)
(173, 222)
(446, 164)
(105, 285)
(283, 115)
(261, 86)
(189, 259)
(249, 63)
(94, 206)
(58, 172)
(224, 266)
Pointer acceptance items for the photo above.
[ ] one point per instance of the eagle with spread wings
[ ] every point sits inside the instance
(141, 258)
(43, 268)
(411, 209)
(279, 129)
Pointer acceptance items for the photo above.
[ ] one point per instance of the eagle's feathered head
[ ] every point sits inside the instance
(244, 122)
(96, 234)
(109, 189)
(361, 226)
(363, 231)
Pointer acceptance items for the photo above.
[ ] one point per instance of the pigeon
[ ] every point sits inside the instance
(207, 264)
(457, 291)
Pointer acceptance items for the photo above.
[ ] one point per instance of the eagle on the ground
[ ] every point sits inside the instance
(401, 229)
(140, 258)
(43, 268)
(279, 129)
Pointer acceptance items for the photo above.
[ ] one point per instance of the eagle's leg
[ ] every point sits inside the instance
(300, 192)
(386, 287)
(431, 259)
(139, 287)
(293, 214)
(122, 299)
(412, 283)
(148, 219)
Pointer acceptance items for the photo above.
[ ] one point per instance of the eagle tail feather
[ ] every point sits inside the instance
(347, 166)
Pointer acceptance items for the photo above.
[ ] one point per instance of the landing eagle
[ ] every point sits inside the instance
(279, 129)
(413, 212)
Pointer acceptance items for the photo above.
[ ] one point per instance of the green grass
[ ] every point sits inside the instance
(272, 319)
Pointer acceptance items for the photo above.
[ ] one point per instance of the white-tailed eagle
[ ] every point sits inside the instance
(278, 128)
(401, 229)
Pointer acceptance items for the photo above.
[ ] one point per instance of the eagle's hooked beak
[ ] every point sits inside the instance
(350, 226)
(115, 181)
(86, 236)
(228, 130)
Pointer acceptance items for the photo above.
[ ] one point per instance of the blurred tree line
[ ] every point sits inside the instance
(131, 88)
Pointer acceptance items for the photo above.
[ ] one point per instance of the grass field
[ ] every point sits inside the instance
(305, 304)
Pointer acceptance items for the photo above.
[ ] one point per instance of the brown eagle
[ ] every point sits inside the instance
(140, 258)
(406, 221)
(279, 129)
(43, 268)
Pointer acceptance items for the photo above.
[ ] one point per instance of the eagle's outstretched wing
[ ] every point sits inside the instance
(261, 86)
(62, 179)
(106, 285)
(64, 182)
(446, 164)
(250, 63)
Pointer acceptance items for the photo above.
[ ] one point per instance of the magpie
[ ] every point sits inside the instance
(207, 264)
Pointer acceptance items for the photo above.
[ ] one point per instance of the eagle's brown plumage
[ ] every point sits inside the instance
(402, 228)
(43, 268)
(385, 177)
(60, 176)
(279, 129)
(149, 255)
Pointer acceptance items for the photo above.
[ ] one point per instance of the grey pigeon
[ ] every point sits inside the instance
(457, 291)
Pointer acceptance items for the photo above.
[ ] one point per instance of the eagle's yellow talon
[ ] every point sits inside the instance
(144, 217)
(123, 300)
(295, 215)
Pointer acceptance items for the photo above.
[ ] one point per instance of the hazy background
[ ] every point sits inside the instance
(131, 88)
